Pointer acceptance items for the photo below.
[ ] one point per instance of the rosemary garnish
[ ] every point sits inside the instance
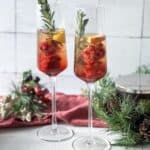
(81, 23)
(47, 16)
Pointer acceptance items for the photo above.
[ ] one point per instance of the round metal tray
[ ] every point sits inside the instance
(134, 84)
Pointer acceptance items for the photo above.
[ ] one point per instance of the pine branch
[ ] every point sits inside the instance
(105, 89)
(122, 113)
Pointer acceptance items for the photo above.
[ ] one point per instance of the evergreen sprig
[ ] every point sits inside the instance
(47, 15)
(107, 88)
(22, 102)
(144, 69)
(122, 113)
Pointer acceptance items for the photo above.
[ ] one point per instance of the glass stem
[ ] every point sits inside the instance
(90, 110)
(54, 120)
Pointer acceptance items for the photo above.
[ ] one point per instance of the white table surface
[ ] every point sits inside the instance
(26, 139)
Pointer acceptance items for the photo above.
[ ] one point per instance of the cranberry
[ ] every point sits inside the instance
(100, 53)
(52, 49)
(88, 55)
(37, 90)
(44, 46)
(54, 62)
(89, 50)
(46, 97)
(26, 89)
(43, 61)
(50, 46)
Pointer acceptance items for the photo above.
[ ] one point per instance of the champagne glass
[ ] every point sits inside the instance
(52, 60)
(90, 65)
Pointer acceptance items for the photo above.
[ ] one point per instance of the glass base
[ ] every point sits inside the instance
(97, 143)
(55, 135)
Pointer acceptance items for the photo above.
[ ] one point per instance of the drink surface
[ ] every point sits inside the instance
(52, 57)
(90, 57)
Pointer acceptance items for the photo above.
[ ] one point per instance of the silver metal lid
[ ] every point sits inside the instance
(134, 83)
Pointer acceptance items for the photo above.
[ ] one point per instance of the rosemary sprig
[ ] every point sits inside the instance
(47, 15)
(81, 23)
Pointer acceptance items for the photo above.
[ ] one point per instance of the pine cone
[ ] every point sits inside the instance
(144, 129)
(110, 105)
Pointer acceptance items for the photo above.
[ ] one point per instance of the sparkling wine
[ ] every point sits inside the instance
(52, 57)
(90, 57)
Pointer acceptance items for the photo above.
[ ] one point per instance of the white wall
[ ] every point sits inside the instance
(122, 26)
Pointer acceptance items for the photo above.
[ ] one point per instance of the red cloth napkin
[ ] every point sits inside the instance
(71, 109)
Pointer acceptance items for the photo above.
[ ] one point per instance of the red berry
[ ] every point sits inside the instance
(53, 47)
(44, 46)
(88, 55)
(92, 55)
(49, 46)
(43, 61)
(100, 53)
(47, 97)
(37, 90)
(54, 62)
(26, 89)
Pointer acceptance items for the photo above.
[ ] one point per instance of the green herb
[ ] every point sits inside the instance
(81, 23)
(107, 88)
(24, 101)
(47, 16)
(144, 69)
(27, 76)
(122, 113)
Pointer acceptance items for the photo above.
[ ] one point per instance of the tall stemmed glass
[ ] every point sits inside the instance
(90, 65)
(52, 60)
